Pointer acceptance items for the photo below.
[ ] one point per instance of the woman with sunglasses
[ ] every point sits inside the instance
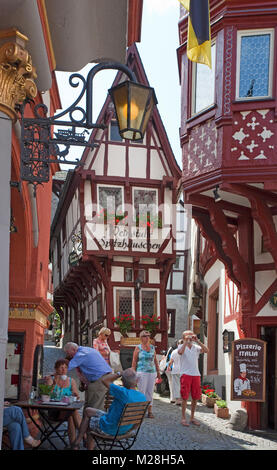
(101, 343)
(146, 365)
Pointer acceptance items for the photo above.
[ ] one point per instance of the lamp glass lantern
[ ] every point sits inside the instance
(137, 288)
(133, 104)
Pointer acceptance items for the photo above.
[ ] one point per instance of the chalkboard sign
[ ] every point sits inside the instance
(248, 370)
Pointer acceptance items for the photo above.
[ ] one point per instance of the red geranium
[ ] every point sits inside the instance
(124, 322)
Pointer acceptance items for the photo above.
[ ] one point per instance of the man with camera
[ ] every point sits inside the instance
(190, 376)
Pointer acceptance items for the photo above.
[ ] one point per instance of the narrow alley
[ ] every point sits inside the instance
(165, 431)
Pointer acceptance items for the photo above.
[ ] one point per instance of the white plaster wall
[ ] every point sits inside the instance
(98, 164)
(263, 280)
(117, 274)
(258, 255)
(147, 261)
(165, 163)
(116, 161)
(157, 171)
(137, 162)
(168, 210)
(87, 200)
(154, 276)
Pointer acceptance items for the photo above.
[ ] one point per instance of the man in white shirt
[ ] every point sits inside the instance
(190, 376)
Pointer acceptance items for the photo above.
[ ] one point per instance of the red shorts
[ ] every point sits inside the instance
(190, 384)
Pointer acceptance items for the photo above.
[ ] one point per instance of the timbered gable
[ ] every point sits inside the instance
(121, 202)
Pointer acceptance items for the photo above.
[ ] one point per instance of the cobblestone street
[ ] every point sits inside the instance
(165, 431)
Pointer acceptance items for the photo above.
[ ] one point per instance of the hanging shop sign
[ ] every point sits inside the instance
(273, 301)
(248, 370)
(73, 258)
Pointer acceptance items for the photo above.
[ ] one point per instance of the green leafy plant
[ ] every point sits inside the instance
(45, 389)
(150, 323)
(221, 403)
(124, 322)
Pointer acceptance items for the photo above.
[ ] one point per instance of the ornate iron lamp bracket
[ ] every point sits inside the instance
(40, 141)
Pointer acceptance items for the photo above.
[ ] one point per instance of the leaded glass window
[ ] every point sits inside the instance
(124, 301)
(255, 64)
(110, 199)
(145, 201)
(148, 302)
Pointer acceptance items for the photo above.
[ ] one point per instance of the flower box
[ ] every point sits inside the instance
(221, 412)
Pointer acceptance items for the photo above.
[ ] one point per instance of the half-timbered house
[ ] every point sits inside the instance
(112, 240)
(228, 139)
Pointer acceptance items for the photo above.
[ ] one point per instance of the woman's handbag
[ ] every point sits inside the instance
(115, 361)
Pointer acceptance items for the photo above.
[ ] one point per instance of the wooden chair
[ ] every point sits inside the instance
(133, 413)
(108, 400)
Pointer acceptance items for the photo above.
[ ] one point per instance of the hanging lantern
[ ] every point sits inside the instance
(133, 104)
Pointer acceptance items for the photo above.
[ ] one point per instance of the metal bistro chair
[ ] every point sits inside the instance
(133, 413)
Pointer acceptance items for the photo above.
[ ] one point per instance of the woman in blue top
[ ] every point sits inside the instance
(64, 386)
(146, 364)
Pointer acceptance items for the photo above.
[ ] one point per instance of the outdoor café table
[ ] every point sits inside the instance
(50, 429)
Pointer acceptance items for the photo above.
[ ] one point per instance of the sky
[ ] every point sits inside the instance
(159, 42)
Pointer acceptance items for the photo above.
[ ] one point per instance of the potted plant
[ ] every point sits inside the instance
(150, 323)
(209, 397)
(221, 410)
(124, 323)
(206, 387)
(45, 391)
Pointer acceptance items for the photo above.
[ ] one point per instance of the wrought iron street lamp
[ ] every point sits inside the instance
(133, 104)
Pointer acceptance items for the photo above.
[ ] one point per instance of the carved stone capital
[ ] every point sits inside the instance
(16, 77)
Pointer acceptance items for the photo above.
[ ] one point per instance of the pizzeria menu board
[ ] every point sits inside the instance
(248, 370)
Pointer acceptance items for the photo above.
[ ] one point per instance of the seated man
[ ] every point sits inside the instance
(101, 422)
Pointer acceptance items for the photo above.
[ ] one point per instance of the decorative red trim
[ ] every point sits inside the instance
(134, 20)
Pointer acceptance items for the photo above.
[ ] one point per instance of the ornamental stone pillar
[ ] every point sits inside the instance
(17, 75)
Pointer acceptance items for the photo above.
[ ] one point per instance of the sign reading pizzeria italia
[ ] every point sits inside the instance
(248, 370)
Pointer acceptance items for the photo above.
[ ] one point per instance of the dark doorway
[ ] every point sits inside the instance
(269, 408)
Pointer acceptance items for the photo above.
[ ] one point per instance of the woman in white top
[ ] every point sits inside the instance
(174, 366)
